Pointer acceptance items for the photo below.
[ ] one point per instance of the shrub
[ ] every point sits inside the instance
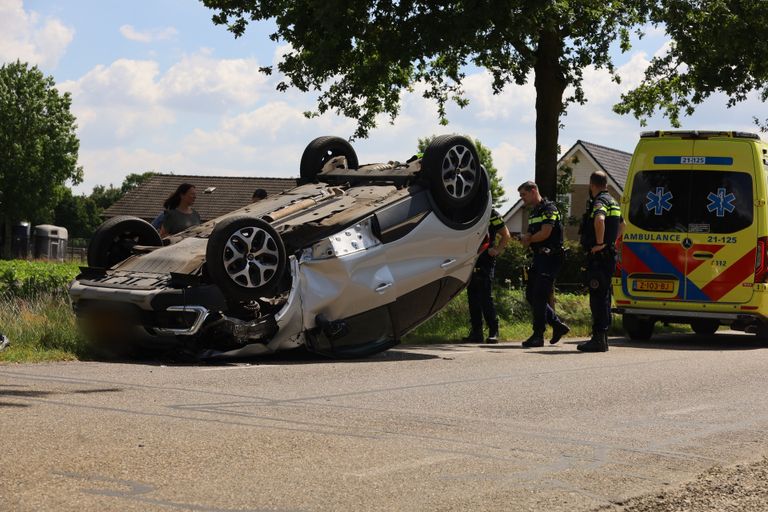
(511, 264)
(21, 278)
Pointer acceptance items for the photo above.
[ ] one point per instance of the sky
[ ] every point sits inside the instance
(156, 86)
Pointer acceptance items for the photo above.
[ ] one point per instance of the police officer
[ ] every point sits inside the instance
(601, 225)
(545, 238)
(480, 288)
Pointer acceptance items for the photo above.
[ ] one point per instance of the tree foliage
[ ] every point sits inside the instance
(81, 214)
(133, 180)
(716, 47)
(486, 159)
(38, 145)
(360, 56)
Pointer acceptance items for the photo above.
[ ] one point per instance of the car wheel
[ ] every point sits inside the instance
(320, 151)
(245, 257)
(114, 240)
(452, 166)
(637, 329)
(705, 326)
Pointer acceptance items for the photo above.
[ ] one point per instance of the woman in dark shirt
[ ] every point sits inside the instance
(179, 213)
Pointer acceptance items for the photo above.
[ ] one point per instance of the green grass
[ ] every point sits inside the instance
(41, 327)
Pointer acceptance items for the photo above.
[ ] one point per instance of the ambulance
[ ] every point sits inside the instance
(695, 245)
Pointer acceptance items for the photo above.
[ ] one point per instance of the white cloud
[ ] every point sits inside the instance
(149, 35)
(513, 102)
(25, 37)
(202, 82)
(111, 165)
(129, 98)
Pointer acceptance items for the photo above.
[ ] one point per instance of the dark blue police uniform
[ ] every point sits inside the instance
(480, 288)
(547, 262)
(600, 266)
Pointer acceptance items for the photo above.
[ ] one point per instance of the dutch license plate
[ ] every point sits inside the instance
(646, 285)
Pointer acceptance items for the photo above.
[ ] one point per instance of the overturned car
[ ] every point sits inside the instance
(345, 264)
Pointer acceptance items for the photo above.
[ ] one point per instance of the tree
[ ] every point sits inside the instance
(360, 56)
(38, 145)
(497, 190)
(133, 180)
(79, 214)
(104, 197)
(715, 47)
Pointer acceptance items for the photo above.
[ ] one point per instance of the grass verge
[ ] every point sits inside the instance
(41, 327)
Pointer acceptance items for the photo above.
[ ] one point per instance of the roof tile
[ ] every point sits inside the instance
(227, 193)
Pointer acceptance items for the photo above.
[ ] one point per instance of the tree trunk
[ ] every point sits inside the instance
(550, 85)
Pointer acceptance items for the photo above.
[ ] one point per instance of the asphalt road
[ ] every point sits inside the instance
(444, 427)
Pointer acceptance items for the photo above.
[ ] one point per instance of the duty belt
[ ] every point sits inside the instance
(547, 251)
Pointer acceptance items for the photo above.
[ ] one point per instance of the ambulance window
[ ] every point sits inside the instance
(721, 200)
(691, 201)
(659, 201)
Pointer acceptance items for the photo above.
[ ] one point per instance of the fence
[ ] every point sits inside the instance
(76, 254)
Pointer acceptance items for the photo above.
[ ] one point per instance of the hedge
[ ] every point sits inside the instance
(23, 278)
(510, 265)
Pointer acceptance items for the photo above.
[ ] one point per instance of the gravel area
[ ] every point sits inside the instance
(741, 488)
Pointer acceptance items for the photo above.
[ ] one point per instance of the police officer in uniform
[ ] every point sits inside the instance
(601, 225)
(545, 238)
(480, 288)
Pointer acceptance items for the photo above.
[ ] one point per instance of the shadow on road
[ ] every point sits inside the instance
(296, 356)
(723, 340)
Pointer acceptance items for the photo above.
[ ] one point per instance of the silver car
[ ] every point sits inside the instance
(345, 264)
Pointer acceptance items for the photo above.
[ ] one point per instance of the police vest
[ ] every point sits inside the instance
(602, 203)
(546, 212)
(486, 261)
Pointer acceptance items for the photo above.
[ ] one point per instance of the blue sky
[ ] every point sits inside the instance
(156, 86)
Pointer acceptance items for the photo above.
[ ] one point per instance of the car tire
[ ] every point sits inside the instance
(114, 240)
(452, 167)
(637, 329)
(705, 326)
(319, 151)
(245, 257)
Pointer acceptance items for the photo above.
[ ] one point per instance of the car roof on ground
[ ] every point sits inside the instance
(216, 195)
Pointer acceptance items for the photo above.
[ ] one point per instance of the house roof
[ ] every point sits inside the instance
(512, 210)
(227, 193)
(613, 161)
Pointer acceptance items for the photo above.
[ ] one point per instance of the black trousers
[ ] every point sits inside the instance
(600, 267)
(540, 286)
(480, 299)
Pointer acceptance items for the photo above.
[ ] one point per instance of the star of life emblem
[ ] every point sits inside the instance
(658, 201)
(721, 202)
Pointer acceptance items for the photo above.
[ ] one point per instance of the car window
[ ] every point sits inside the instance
(691, 201)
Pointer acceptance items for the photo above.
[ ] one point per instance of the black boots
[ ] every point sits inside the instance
(598, 343)
(536, 340)
(473, 337)
(558, 331)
